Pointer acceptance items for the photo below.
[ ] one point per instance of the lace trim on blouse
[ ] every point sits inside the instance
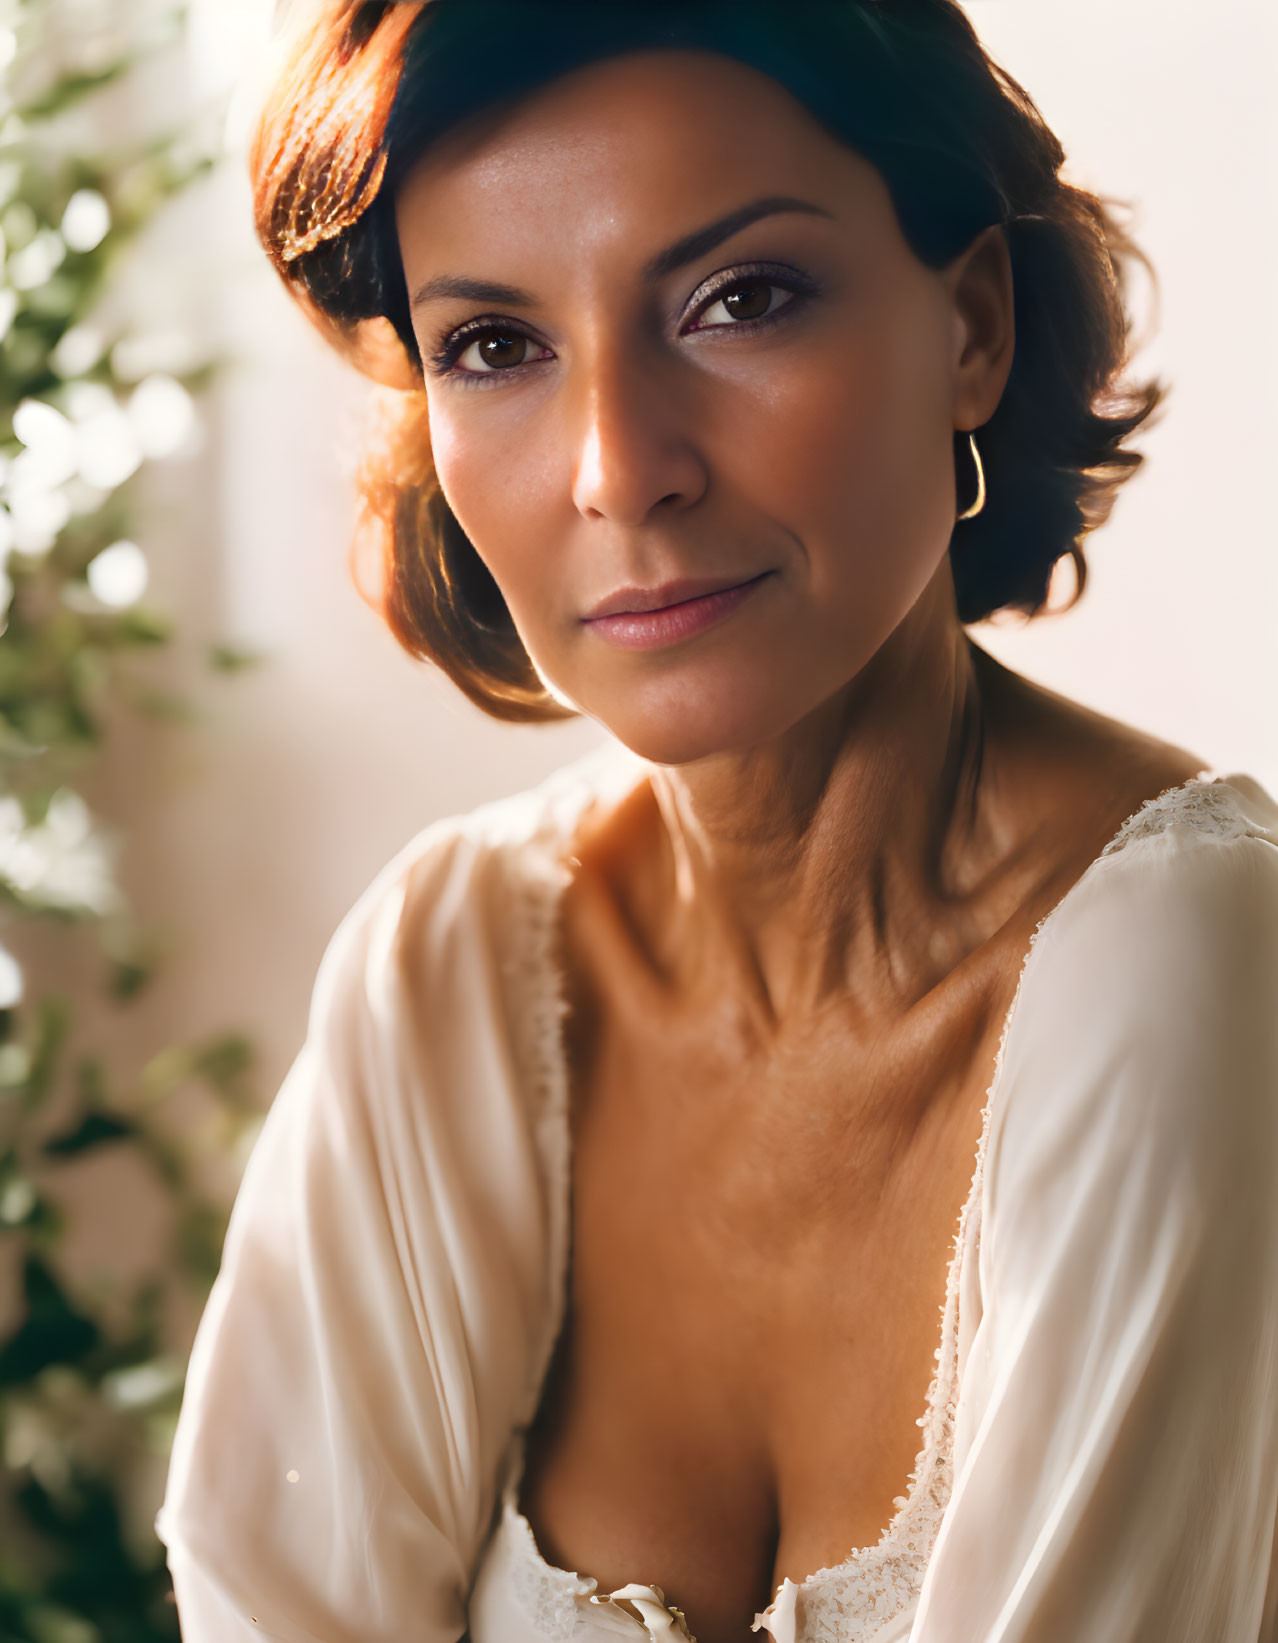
(853, 1600)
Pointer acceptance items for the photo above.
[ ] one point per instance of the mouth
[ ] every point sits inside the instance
(652, 618)
(641, 601)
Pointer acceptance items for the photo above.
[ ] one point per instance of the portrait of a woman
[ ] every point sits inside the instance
(810, 1167)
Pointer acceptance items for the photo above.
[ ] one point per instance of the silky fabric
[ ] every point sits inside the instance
(393, 1276)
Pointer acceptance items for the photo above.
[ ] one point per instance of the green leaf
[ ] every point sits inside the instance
(50, 1623)
(101, 1581)
(156, 703)
(41, 1225)
(71, 89)
(126, 978)
(53, 1023)
(15, 1060)
(148, 1301)
(91, 1080)
(229, 658)
(19, 1196)
(224, 1060)
(198, 1237)
(53, 1331)
(144, 626)
(14, 745)
(166, 1072)
(165, 1157)
(95, 1129)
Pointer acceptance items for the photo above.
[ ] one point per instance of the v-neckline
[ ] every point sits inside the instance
(550, 1009)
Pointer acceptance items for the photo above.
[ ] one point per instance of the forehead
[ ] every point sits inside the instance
(617, 146)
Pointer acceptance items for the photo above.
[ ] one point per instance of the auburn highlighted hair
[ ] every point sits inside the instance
(369, 84)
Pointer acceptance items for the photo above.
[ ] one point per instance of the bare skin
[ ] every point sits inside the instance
(792, 948)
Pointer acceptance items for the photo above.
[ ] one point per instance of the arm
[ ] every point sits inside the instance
(355, 1368)
(1116, 1443)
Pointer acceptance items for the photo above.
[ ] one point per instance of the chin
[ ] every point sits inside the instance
(695, 703)
(678, 729)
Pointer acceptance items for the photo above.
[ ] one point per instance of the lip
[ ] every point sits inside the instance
(645, 619)
(637, 601)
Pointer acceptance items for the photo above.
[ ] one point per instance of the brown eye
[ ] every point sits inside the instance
(495, 351)
(746, 300)
(749, 301)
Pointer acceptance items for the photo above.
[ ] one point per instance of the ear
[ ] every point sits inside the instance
(981, 287)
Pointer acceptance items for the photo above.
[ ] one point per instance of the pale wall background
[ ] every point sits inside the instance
(253, 837)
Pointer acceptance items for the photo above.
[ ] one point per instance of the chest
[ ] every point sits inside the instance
(760, 1254)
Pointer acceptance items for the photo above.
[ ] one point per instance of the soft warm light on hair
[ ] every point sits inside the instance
(310, 190)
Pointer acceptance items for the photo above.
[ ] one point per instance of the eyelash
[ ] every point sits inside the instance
(801, 286)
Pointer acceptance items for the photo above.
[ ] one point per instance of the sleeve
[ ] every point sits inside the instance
(1116, 1433)
(329, 1475)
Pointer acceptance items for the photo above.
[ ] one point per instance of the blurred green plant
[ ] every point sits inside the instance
(87, 1389)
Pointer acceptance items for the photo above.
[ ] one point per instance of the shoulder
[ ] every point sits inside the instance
(1190, 878)
(428, 1031)
(1147, 1010)
(1184, 894)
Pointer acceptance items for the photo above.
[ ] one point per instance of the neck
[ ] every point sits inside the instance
(817, 865)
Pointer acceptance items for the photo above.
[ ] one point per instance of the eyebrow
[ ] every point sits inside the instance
(697, 244)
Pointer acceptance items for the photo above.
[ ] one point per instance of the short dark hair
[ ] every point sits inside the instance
(959, 143)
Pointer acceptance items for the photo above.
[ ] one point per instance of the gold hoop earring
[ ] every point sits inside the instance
(980, 482)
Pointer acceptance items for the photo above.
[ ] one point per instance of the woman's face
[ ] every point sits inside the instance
(674, 341)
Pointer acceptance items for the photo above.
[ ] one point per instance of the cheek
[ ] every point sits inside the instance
(849, 449)
(497, 491)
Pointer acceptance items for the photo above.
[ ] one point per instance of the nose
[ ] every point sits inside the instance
(633, 454)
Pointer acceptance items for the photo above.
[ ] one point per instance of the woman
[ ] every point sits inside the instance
(584, 1280)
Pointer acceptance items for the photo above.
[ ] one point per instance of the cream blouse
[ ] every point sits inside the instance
(1100, 1443)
